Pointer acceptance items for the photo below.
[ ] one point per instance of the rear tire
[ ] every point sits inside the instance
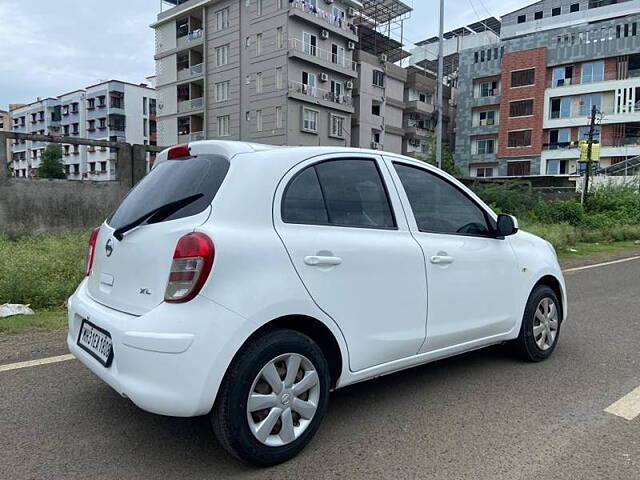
(272, 399)
(540, 328)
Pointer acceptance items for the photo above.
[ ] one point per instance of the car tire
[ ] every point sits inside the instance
(540, 330)
(240, 429)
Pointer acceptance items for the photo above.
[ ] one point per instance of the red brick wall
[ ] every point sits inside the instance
(535, 58)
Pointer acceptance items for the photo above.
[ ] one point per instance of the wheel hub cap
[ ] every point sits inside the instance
(545, 324)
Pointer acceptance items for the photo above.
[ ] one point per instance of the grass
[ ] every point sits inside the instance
(45, 321)
(592, 249)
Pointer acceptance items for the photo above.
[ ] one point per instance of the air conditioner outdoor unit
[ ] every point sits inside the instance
(325, 34)
(383, 57)
(324, 77)
(375, 145)
(351, 12)
(349, 85)
(351, 45)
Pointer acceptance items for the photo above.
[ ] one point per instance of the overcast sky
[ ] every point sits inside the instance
(52, 47)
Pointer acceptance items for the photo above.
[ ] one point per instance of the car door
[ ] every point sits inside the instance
(470, 272)
(349, 242)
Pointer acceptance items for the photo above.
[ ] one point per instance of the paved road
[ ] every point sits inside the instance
(480, 416)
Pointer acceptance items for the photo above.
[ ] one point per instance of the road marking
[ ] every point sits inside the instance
(597, 265)
(35, 363)
(628, 407)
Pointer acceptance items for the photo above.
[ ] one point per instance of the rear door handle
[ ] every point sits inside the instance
(320, 261)
(441, 259)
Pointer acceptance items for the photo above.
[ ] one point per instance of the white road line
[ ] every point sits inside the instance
(35, 363)
(597, 265)
(628, 407)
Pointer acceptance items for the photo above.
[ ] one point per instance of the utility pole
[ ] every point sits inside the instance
(592, 131)
(440, 99)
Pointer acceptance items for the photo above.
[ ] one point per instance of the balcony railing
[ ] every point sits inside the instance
(195, 35)
(326, 55)
(196, 136)
(325, 15)
(196, 69)
(606, 77)
(631, 141)
(319, 93)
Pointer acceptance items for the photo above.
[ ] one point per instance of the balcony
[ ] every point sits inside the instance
(318, 96)
(191, 72)
(191, 105)
(190, 137)
(322, 58)
(420, 107)
(493, 98)
(324, 18)
(194, 37)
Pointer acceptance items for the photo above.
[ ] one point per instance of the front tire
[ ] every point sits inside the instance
(272, 399)
(540, 328)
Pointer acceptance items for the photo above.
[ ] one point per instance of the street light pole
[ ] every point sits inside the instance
(440, 99)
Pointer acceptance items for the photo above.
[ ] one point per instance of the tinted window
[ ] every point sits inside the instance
(303, 202)
(348, 193)
(438, 206)
(170, 181)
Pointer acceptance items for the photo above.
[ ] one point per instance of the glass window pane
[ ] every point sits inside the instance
(303, 202)
(438, 206)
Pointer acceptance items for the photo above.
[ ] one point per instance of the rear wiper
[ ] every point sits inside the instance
(161, 213)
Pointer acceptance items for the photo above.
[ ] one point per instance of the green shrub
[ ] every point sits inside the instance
(560, 212)
(41, 270)
(511, 198)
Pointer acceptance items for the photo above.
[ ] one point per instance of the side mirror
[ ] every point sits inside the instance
(507, 225)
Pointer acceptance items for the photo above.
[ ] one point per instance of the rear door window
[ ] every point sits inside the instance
(347, 193)
(170, 181)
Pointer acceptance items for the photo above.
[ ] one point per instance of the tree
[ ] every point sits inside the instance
(51, 162)
(448, 163)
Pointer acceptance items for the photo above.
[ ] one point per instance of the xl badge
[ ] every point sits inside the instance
(145, 291)
(108, 248)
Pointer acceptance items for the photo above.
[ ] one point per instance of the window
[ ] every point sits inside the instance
(92, 125)
(522, 18)
(375, 109)
(258, 44)
(378, 78)
(556, 167)
(102, 123)
(556, 11)
(562, 76)
(309, 79)
(519, 138)
(144, 105)
(521, 108)
(583, 134)
(487, 118)
(593, 72)
(519, 169)
(337, 54)
(91, 103)
(182, 61)
(489, 89)
(309, 120)
(485, 146)
(222, 55)
(538, 15)
(278, 117)
(259, 82)
(561, 107)
(279, 38)
(309, 43)
(560, 138)
(222, 91)
(259, 120)
(523, 78)
(352, 195)
(575, 7)
(259, 8)
(101, 103)
(438, 206)
(66, 130)
(223, 126)
(336, 126)
(587, 102)
(483, 172)
(336, 91)
(222, 19)
(279, 78)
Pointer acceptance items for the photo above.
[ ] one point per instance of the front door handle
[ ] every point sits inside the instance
(321, 261)
(441, 259)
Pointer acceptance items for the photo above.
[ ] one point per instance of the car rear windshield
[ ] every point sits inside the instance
(170, 181)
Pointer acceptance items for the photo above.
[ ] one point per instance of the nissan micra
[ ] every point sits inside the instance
(245, 282)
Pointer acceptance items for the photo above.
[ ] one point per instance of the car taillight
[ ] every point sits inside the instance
(192, 262)
(179, 151)
(92, 249)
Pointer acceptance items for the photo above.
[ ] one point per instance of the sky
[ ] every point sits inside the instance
(48, 48)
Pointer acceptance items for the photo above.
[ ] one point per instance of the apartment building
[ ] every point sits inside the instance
(524, 104)
(5, 126)
(112, 110)
(270, 71)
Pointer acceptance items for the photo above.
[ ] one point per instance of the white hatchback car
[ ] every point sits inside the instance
(246, 281)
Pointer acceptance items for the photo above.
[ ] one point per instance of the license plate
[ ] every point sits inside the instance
(97, 342)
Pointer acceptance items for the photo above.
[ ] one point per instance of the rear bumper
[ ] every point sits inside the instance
(169, 361)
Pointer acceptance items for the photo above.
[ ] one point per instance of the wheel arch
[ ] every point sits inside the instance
(554, 284)
(314, 329)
